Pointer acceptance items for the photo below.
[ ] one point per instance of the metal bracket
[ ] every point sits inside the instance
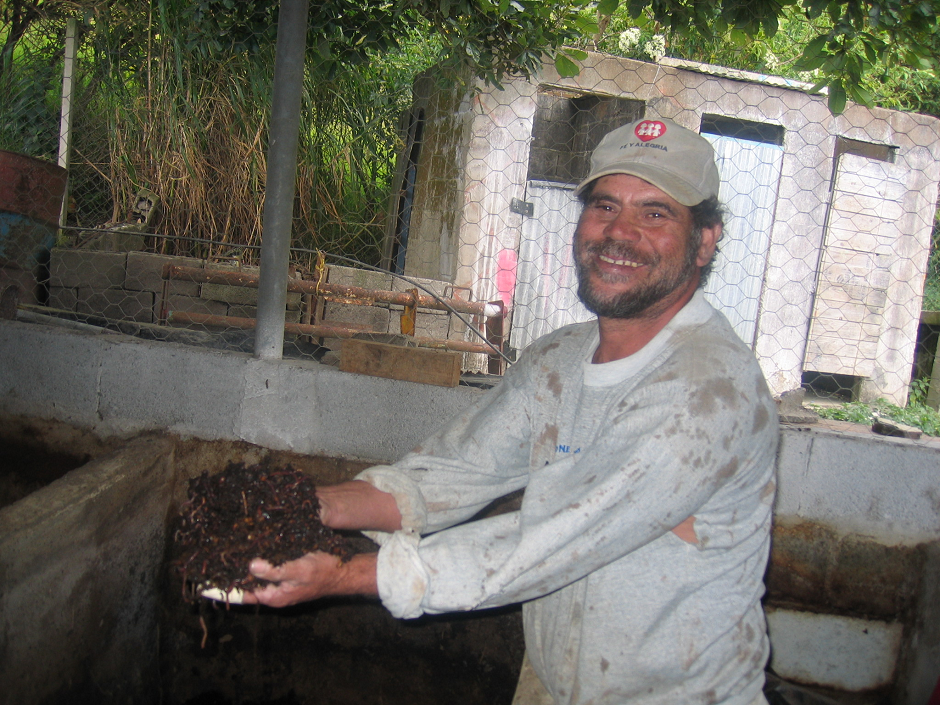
(409, 315)
(522, 207)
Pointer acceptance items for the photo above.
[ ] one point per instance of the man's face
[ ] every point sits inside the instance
(635, 250)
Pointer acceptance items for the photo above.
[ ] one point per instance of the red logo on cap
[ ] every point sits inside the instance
(650, 130)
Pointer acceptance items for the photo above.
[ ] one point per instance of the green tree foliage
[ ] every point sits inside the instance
(174, 92)
(491, 38)
(847, 45)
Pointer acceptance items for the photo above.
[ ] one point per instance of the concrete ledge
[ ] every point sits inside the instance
(860, 482)
(121, 386)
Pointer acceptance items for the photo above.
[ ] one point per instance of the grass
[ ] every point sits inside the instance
(916, 413)
(153, 111)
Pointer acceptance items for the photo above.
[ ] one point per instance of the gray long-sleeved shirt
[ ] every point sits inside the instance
(617, 608)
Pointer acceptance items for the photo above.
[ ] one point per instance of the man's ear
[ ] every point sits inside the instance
(706, 249)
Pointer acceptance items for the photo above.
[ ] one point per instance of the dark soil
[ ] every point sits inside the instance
(243, 513)
(342, 651)
(336, 652)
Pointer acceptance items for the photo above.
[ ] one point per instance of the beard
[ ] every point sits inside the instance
(643, 299)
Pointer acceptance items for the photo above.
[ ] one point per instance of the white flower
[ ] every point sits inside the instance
(629, 39)
(771, 61)
(656, 47)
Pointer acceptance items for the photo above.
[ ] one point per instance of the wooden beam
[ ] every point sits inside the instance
(424, 365)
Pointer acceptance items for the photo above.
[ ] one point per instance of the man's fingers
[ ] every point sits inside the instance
(260, 568)
(270, 595)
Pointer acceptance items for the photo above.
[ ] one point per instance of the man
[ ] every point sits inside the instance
(645, 442)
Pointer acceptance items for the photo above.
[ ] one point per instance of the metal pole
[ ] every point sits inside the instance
(65, 121)
(282, 172)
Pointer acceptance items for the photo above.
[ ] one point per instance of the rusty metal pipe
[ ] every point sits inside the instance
(339, 292)
(320, 331)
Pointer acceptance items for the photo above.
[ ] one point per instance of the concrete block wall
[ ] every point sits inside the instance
(386, 318)
(129, 286)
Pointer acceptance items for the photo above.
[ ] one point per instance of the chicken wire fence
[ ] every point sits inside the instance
(442, 214)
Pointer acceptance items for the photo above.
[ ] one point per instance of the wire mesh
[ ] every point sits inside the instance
(461, 191)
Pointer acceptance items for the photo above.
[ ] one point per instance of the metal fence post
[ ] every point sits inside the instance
(65, 121)
(281, 174)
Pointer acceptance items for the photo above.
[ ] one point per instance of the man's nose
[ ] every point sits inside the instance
(623, 227)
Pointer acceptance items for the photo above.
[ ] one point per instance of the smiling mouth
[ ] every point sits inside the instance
(618, 262)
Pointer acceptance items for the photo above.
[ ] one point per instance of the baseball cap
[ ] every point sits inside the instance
(672, 158)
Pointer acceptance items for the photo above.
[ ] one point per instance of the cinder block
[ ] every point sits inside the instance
(242, 295)
(190, 304)
(243, 311)
(236, 295)
(97, 270)
(115, 241)
(368, 279)
(371, 317)
(829, 650)
(145, 273)
(252, 312)
(117, 304)
(367, 318)
(432, 325)
(64, 298)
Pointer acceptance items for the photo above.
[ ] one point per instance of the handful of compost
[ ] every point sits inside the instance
(244, 513)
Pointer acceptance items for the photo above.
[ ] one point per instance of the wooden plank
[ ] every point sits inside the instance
(438, 367)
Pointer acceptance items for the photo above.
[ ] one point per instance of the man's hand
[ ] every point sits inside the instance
(311, 577)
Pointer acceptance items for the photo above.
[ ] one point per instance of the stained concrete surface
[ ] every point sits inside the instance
(867, 504)
(79, 562)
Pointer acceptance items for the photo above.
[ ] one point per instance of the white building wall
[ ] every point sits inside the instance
(497, 166)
